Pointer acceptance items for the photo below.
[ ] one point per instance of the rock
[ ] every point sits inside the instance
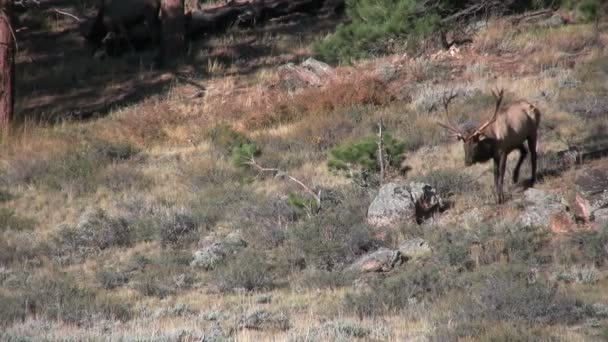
(214, 253)
(264, 320)
(311, 73)
(414, 249)
(382, 260)
(320, 69)
(553, 21)
(397, 202)
(208, 257)
(539, 207)
(591, 202)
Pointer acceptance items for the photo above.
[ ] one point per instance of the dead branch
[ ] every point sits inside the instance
(279, 173)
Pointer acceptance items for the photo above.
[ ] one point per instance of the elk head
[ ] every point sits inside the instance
(477, 148)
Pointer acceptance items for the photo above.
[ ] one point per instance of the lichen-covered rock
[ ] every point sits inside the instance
(592, 198)
(397, 202)
(216, 251)
(539, 206)
(414, 249)
(382, 260)
(311, 73)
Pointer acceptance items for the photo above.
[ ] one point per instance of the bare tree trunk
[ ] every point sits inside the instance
(173, 27)
(7, 64)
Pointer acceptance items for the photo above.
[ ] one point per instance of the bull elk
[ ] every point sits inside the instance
(506, 131)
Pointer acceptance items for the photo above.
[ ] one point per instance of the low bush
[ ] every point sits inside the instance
(397, 292)
(265, 222)
(249, 270)
(334, 237)
(59, 296)
(160, 275)
(178, 228)
(94, 232)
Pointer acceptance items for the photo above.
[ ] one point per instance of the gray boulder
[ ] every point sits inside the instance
(382, 260)
(539, 206)
(398, 202)
(311, 73)
(414, 249)
(592, 200)
(215, 252)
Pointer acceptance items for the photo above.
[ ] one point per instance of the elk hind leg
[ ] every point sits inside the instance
(533, 157)
(523, 152)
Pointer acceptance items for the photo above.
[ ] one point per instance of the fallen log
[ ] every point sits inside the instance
(253, 13)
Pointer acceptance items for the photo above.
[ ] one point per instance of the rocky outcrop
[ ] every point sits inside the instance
(382, 260)
(591, 202)
(398, 202)
(385, 260)
(215, 251)
(415, 249)
(310, 73)
(540, 208)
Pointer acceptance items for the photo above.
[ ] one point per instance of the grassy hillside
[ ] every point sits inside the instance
(117, 174)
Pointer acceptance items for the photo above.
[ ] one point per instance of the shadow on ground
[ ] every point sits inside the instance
(58, 79)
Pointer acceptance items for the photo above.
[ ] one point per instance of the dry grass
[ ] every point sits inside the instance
(180, 165)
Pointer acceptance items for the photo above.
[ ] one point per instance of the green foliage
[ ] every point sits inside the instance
(373, 23)
(363, 155)
(226, 138)
(306, 205)
(243, 154)
(591, 10)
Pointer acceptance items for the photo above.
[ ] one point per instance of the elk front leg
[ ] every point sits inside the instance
(502, 163)
(496, 176)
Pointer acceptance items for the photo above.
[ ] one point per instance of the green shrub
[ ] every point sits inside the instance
(362, 155)
(376, 26)
(243, 154)
(373, 23)
(591, 10)
(226, 138)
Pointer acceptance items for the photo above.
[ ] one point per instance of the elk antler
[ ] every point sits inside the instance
(446, 102)
(498, 97)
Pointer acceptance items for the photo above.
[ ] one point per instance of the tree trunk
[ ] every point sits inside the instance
(173, 27)
(7, 64)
